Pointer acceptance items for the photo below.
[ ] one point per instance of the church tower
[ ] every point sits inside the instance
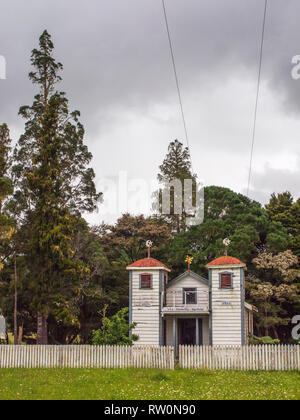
(227, 301)
(147, 280)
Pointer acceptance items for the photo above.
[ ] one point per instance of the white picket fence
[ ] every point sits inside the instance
(268, 357)
(264, 357)
(86, 357)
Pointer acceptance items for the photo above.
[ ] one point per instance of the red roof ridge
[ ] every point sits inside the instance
(148, 263)
(226, 260)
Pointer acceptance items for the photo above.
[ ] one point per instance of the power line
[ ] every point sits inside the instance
(176, 77)
(257, 95)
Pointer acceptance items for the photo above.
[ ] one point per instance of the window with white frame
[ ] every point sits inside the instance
(189, 296)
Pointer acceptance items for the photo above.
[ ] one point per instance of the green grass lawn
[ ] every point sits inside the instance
(138, 384)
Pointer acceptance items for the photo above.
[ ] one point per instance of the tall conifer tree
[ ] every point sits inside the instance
(176, 166)
(6, 187)
(54, 184)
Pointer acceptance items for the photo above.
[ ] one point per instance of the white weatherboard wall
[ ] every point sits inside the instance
(205, 324)
(146, 311)
(169, 332)
(187, 282)
(226, 306)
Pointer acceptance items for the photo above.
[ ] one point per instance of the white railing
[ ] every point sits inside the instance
(197, 299)
(86, 357)
(264, 357)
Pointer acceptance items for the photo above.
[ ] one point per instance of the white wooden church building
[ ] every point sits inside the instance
(189, 309)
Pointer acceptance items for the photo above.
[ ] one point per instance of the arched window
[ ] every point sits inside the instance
(146, 281)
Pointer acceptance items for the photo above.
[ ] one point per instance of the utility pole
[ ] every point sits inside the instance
(16, 303)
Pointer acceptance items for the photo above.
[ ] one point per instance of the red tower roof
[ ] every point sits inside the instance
(148, 263)
(225, 261)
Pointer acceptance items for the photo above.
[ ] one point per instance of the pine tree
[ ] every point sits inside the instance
(53, 185)
(6, 187)
(279, 208)
(176, 166)
(283, 209)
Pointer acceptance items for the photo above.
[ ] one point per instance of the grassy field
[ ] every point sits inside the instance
(150, 384)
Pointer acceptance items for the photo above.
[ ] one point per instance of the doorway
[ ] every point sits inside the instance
(187, 335)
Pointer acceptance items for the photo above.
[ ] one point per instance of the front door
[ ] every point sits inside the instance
(187, 335)
(187, 332)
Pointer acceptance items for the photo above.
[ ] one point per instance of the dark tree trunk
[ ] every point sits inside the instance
(275, 333)
(42, 330)
(84, 331)
(20, 335)
(45, 330)
(39, 333)
(266, 328)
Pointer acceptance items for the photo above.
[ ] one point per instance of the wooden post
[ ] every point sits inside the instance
(175, 335)
(197, 332)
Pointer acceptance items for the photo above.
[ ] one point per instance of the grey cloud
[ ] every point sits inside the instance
(116, 52)
(117, 71)
(274, 181)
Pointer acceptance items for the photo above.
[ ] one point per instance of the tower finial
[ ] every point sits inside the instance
(149, 245)
(189, 260)
(226, 242)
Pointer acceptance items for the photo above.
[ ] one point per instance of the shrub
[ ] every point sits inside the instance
(262, 340)
(115, 330)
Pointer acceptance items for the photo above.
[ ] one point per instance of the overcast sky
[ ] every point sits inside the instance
(118, 73)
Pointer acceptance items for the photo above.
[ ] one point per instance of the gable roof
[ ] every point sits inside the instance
(188, 274)
(223, 261)
(147, 263)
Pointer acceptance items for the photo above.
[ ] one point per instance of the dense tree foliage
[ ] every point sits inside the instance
(273, 287)
(227, 215)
